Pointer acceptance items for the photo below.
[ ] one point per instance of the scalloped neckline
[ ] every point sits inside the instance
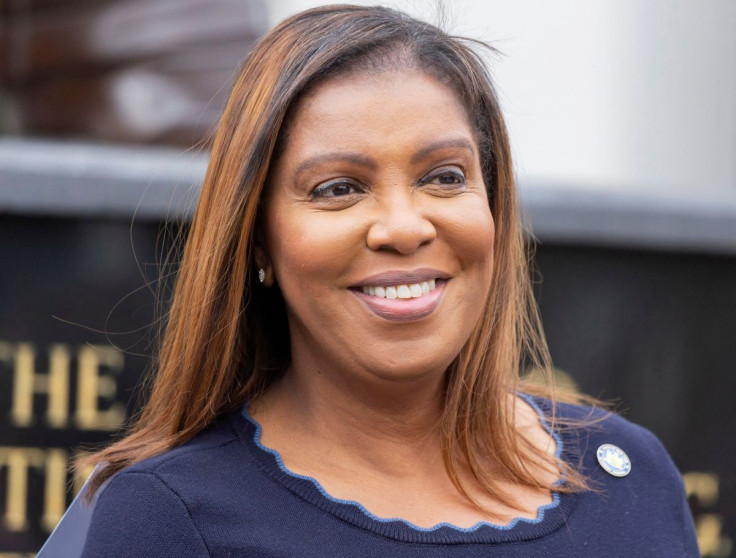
(549, 517)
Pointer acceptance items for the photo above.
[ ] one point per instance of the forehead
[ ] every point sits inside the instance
(369, 109)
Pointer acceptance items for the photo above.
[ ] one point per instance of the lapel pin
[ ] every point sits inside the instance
(614, 460)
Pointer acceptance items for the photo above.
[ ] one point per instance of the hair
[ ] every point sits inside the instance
(226, 340)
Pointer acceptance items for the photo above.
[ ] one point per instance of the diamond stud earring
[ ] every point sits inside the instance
(261, 274)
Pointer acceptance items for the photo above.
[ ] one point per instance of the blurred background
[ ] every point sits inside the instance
(622, 116)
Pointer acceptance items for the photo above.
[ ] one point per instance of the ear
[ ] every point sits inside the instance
(263, 262)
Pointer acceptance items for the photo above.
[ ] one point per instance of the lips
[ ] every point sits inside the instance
(402, 296)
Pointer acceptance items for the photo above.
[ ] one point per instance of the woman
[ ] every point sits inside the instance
(340, 370)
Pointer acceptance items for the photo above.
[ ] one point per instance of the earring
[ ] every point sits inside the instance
(261, 274)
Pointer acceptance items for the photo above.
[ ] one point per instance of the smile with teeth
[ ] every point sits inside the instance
(410, 290)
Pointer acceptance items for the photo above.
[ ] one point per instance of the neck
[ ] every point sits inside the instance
(379, 422)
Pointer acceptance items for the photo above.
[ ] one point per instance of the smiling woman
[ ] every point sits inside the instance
(402, 203)
(341, 369)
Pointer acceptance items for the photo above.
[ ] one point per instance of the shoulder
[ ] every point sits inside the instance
(589, 427)
(219, 439)
(154, 507)
(209, 457)
(138, 514)
(648, 500)
(583, 433)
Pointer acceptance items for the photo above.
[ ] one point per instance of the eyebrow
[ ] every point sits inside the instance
(458, 143)
(336, 157)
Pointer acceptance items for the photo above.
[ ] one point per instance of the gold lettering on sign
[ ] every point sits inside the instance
(93, 386)
(17, 461)
(55, 384)
(53, 464)
(705, 488)
(43, 378)
(54, 500)
(710, 536)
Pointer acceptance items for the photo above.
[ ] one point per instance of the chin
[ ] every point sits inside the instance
(410, 369)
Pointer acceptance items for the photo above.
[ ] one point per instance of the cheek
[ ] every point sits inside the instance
(471, 234)
(306, 245)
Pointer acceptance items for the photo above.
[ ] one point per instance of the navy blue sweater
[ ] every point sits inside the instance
(224, 494)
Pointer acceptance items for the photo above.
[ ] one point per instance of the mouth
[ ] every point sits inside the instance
(403, 297)
(401, 291)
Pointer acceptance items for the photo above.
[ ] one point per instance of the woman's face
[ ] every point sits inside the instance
(378, 227)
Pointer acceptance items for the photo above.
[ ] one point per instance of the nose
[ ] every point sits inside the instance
(400, 225)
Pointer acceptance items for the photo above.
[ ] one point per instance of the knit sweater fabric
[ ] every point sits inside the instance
(225, 494)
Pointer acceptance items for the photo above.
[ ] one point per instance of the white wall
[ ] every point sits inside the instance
(616, 94)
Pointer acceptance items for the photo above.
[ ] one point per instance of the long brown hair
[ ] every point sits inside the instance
(226, 339)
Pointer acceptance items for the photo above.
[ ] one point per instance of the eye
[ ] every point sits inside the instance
(336, 189)
(445, 179)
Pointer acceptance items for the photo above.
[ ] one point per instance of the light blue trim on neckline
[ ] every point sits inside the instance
(540, 510)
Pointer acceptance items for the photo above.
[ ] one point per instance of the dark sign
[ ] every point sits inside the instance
(652, 329)
(73, 344)
(656, 332)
